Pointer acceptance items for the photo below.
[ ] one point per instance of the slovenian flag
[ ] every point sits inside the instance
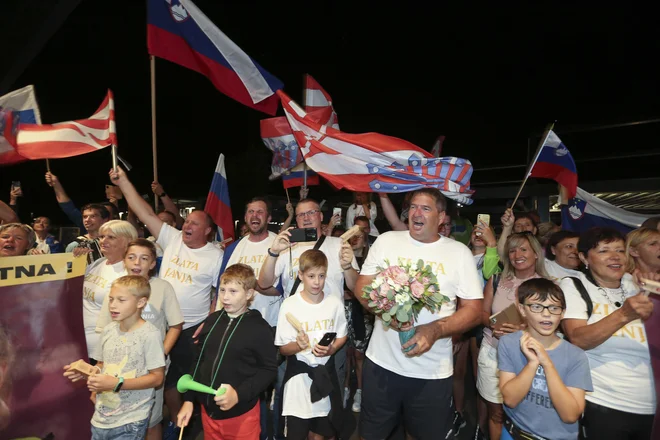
(19, 106)
(555, 162)
(179, 32)
(217, 202)
(585, 211)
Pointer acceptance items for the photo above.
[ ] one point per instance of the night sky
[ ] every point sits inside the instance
(487, 79)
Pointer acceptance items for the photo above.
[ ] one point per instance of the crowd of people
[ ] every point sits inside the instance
(282, 326)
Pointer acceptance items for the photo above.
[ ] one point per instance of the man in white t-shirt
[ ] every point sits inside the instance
(252, 250)
(191, 265)
(391, 378)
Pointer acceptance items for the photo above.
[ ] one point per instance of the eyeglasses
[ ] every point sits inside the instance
(538, 308)
(308, 213)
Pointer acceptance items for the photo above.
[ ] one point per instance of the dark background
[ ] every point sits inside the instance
(487, 78)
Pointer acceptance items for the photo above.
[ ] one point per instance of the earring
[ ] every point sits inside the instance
(586, 266)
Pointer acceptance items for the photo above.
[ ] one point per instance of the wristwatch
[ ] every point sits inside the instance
(163, 194)
(272, 254)
(119, 384)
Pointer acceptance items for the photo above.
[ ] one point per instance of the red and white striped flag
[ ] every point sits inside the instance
(318, 103)
(72, 138)
(373, 162)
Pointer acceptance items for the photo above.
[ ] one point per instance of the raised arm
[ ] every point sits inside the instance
(7, 215)
(508, 219)
(391, 214)
(54, 182)
(289, 218)
(169, 205)
(136, 203)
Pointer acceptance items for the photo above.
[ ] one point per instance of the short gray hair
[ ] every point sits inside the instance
(32, 237)
(120, 228)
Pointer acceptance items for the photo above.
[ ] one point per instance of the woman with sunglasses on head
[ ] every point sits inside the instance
(524, 260)
(604, 316)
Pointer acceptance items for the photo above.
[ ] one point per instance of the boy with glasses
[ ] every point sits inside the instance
(543, 378)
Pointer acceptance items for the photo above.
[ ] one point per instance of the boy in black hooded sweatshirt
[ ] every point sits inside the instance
(236, 352)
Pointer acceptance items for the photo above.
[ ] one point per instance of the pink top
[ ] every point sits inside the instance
(506, 294)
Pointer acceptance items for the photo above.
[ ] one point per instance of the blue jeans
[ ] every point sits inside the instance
(277, 407)
(130, 431)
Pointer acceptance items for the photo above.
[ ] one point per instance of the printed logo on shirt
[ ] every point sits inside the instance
(254, 261)
(181, 276)
(633, 330)
(437, 268)
(539, 385)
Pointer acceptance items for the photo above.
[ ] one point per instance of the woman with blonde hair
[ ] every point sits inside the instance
(523, 260)
(114, 237)
(643, 251)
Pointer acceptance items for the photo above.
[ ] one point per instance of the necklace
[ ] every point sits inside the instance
(620, 291)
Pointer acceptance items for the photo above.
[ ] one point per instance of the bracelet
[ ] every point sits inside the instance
(119, 384)
(273, 254)
(347, 268)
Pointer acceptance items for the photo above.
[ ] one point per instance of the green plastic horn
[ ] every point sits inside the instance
(186, 383)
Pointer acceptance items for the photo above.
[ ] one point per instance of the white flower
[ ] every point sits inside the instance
(401, 298)
(377, 282)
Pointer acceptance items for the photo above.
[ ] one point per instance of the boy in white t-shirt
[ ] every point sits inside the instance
(162, 310)
(311, 387)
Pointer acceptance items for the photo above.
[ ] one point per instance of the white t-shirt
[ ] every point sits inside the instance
(334, 282)
(357, 211)
(621, 366)
(254, 254)
(191, 272)
(98, 279)
(317, 320)
(453, 264)
(557, 272)
(162, 310)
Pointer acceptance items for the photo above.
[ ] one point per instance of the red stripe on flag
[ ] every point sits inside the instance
(275, 127)
(55, 150)
(174, 48)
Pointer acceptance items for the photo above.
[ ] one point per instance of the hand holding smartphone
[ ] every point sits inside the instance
(327, 339)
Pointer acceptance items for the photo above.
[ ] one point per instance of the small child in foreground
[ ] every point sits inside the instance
(131, 364)
(543, 378)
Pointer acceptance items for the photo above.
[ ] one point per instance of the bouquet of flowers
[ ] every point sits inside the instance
(399, 293)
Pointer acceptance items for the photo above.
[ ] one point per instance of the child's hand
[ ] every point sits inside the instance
(303, 340)
(539, 350)
(101, 382)
(185, 413)
(228, 400)
(321, 351)
(524, 347)
(72, 375)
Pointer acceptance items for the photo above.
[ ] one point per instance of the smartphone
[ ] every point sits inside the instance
(483, 218)
(15, 184)
(300, 235)
(336, 211)
(327, 339)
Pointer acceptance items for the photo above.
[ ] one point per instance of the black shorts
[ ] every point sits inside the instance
(182, 356)
(297, 429)
(602, 423)
(425, 405)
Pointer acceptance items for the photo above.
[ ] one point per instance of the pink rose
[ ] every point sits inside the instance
(417, 289)
(374, 295)
(399, 275)
(426, 281)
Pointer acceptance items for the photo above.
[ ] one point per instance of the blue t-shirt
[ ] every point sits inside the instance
(536, 413)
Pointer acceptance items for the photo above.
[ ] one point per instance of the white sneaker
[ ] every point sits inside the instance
(357, 401)
(347, 394)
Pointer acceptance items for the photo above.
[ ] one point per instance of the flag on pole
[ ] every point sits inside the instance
(296, 177)
(373, 162)
(287, 158)
(71, 138)
(555, 162)
(586, 211)
(19, 106)
(436, 150)
(318, 103)
(217, 202)
(178, 31)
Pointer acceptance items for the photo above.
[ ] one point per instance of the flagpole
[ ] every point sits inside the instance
(154, 150)
(48, 165)
(114, 157)
(536, 156)
(305, 105)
